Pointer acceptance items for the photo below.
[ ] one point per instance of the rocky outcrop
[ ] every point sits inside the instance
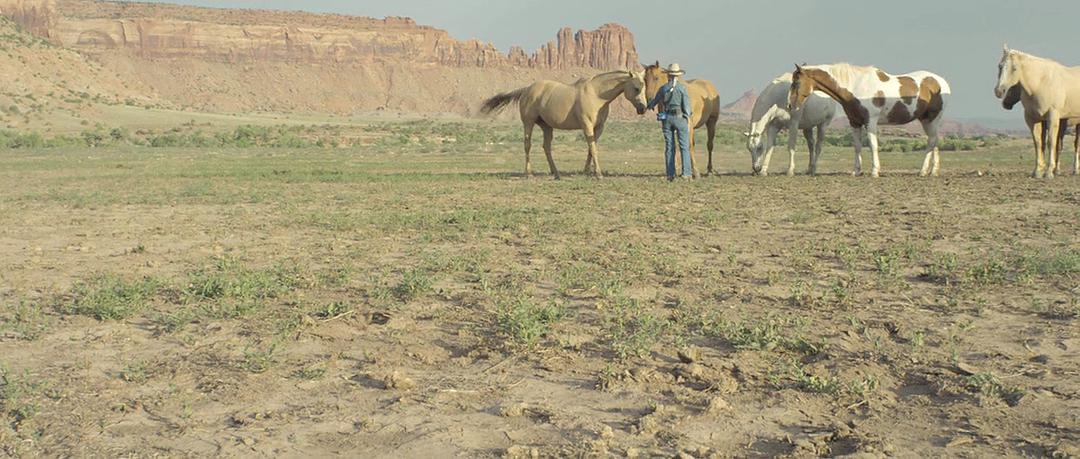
(238, 60)
(34, 16)
(239, 36)
(743, 106)
(609, 47)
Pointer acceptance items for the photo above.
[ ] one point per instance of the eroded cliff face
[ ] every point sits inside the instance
(259, 60)
(230, 35)
(35, 16)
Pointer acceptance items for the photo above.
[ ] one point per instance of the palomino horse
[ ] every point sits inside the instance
(871, 97)
(704, 106)
(583, 105)
(770, 115)
(1050, 93)
(1012, 97)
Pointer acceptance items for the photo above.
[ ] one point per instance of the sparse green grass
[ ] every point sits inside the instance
(135, 372)
(311, 373)
(987, 384)
(524, 322)
(259, 358)
(26, 320)
(17, 391)
(332, 310)
(434, 256)
(632, 330)
(415, 283)
(768, 334)
(110, 297)
(228, 289)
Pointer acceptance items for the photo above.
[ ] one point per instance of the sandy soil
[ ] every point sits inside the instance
(309, 303)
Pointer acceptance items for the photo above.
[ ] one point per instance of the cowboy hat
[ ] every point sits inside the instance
(675, 70)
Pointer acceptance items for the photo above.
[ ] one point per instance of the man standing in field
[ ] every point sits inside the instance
(674, 116)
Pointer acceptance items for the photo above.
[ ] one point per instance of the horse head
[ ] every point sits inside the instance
(1008, 72)
(655, 77)
(633, 88)
(755, 139)
(801, 88)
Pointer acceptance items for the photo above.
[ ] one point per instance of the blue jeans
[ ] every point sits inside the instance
(677, 129)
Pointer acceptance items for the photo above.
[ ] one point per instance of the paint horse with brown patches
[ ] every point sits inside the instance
(1050, 92)
(871, 97)
(704, 106)
(583, 105)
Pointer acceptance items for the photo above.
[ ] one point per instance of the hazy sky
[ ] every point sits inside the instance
(742, 44)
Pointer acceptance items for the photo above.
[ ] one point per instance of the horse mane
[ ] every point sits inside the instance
(783, 78)
(844, 72)
(1042, 60)
(608, 74)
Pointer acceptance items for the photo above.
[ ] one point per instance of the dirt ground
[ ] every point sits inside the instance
(420, 301)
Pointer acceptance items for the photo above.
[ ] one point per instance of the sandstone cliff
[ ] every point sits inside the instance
(259, 60)
(35, 16)
(234, 35)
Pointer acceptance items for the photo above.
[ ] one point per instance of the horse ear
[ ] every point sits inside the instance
(798, 68)
(657, 63)
(1005, 47)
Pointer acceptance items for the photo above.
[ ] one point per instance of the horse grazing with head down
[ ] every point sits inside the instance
(704, 106)
(1050, 93)
(871, 97)
(771, 114)
(583, 105)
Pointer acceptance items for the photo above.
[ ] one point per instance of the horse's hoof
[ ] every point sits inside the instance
(790, 173)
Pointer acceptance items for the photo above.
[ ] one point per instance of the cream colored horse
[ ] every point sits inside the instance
(1050, 92)
(583, 105)
(1012, 97)
(704, 106)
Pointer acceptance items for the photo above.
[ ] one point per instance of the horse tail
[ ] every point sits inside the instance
(500, 101)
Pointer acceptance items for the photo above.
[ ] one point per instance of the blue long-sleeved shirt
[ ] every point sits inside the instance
(679, 99)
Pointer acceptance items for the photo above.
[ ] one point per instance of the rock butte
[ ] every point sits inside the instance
(227, 59)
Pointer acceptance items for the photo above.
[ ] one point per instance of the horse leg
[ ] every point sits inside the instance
(856, 137)
(1076, 157)
(1052, 129)
(770, 139)
(871, 133)
(549, 133)
(529, 125)
(693, 161)
(793, 138)
(593, 158)
(809, 135)
(1063, 129)
(1036, 127)
(931, 161)
(818, 148)
(710, 137)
